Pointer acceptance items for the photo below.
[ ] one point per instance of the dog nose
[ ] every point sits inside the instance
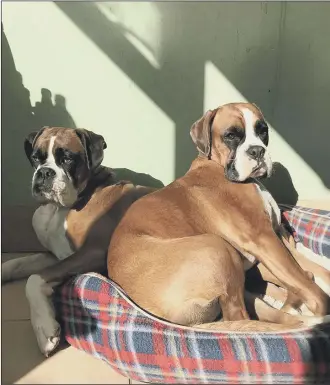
(45, 173)
(256, 152)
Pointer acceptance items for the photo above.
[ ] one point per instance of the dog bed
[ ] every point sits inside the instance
(99, 318)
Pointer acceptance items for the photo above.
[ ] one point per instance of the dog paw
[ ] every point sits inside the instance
(47, 332)
(44, 324)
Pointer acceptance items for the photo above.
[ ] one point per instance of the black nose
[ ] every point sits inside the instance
(256, 152)
(45, 173)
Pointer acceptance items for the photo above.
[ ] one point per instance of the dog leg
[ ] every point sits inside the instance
(23, 267)
(44, 324)
(205, 278)
(39, 289)
(229, 296)
(266, 317)
(292, 301)
(268, 249)
(264, 312)
(269, 319)
(321, 274)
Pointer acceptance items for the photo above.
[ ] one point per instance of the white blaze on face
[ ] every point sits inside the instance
(50, 162)
(244, 164)
(63, 191)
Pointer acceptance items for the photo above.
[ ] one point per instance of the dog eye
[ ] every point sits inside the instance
(34, 158)
(230, 136)
(67, 159)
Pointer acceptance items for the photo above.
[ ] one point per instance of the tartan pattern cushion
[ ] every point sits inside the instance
(98, 317)
(310, 226)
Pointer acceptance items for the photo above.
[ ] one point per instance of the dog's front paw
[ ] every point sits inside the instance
(45, 326)
(47, 332)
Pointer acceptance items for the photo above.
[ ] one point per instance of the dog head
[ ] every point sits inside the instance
(236, 136)
(63, 160)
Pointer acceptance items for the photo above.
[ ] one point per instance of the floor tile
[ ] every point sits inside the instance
(14, 304)
(22, 362)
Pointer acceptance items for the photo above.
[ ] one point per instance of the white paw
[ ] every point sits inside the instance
(275, 303)
(45, 326)
(47, 332)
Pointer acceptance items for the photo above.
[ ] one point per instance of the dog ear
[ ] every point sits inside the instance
(201, 133)
(30, 141)
(94, 145)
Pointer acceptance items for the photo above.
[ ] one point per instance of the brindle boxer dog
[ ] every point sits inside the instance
(80, 206)
(181, 252)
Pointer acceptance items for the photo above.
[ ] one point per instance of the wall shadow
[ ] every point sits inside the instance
(18, 119)
(47, 113)
(274, 57)
(182, 105)
(280, 185)
(245, 49)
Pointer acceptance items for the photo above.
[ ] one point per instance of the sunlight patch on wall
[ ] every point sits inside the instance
(218, 90)
(51, 52)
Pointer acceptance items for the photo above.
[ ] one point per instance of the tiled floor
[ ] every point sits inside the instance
(22, 363)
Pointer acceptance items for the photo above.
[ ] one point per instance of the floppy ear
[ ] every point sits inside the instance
(201, 133)
(30, 141)
(94, 145)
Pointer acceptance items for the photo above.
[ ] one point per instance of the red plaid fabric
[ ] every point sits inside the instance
(98, 317)
(310, 226)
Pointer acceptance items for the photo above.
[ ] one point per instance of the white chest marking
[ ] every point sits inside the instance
(274, 213)
(49, 223)
(270, 205)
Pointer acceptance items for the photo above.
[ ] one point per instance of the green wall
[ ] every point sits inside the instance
(141, 73)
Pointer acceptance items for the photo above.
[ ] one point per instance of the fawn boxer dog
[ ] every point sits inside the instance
(181, 252)
(81, 205)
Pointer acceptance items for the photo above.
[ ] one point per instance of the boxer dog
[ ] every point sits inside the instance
(80, 206)
(181, 252)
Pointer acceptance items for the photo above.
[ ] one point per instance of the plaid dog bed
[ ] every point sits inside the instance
(98, 317)
(310, 226)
